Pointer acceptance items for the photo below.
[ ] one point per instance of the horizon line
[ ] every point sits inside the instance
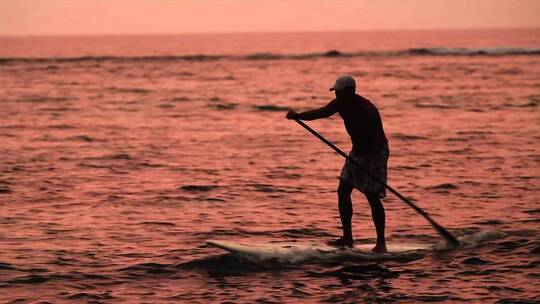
(3, 35)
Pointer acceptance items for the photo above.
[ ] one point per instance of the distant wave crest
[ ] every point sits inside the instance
(475, 51)
(435, 51)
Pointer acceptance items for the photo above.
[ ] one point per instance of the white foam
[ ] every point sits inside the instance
(471, 240)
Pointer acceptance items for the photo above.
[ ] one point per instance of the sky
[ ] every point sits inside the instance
(71, 17)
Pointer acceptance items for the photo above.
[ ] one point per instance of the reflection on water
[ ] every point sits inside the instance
(115, 173)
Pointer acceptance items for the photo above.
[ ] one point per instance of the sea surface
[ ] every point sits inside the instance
(123, 155)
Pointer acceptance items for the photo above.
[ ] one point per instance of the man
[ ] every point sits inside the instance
(369, 149)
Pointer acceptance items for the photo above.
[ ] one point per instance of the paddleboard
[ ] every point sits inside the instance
(302, 252)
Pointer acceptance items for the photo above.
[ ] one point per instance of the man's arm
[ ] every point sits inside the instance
(326, 111)
(380, 139)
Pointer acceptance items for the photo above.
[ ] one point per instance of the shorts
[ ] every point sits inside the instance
(377, 168)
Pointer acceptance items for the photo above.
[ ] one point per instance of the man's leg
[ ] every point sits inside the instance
(377, 212)
(345, 213)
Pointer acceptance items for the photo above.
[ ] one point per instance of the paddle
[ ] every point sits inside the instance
(440, 229)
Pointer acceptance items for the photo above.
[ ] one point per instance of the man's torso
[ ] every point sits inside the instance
(362, 121)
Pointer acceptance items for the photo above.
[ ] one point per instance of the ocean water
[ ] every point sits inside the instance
(122, 155)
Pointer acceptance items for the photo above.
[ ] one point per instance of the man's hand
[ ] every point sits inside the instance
(291, 115)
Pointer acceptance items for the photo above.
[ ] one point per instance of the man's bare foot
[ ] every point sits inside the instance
(379, 249)
(341, 242)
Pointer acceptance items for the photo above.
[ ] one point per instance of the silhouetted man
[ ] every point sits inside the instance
(369, 149)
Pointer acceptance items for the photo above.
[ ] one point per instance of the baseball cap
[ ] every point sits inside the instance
(342, 82)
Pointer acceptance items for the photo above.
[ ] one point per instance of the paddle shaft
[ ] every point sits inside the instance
(440, 229)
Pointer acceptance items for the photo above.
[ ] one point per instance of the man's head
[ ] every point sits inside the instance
(344, 86)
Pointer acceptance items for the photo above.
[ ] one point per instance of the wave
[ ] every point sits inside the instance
(435, 51)
(501, 51)
(270, 107)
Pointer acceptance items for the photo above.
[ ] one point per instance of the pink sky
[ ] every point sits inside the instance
(31, 17)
